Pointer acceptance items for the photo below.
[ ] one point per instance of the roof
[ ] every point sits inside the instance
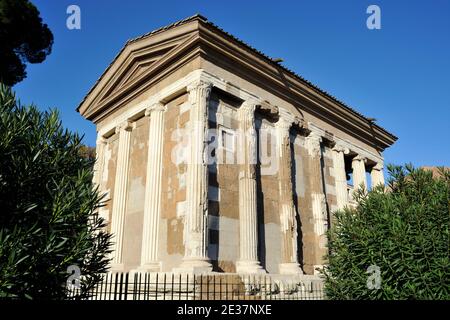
(199, 17)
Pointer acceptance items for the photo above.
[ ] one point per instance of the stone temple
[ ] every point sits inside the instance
(216, 158)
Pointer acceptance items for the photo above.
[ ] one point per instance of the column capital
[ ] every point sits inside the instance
(248, 106)
(125, 125)
(199, 85)
(100, 140)
(283, 124)
(287, 123)
(377, 174)
(313, 135)
(286, 118)
(269, 109)
(340, 148)
(379, 166)
(359, 158)
(157, 106)
(313, 141)
(246, 116)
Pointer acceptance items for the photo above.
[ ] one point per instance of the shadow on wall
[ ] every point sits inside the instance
(260, 199)
(213, 230)
(295, 195)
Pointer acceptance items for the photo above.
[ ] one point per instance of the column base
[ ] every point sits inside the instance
(194, 265)
(117, 267)
(290, 268)
(318, 266)
(148, 267)
(249, 267)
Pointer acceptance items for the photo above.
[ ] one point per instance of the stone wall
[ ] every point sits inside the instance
(302, 189)
(173, 210)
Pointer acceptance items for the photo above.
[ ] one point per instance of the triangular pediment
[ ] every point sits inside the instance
(135, 66)
(135, 70)
(137, 59)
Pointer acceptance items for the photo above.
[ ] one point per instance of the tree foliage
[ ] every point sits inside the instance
(23, 38)
(48, 205)
(404, 232)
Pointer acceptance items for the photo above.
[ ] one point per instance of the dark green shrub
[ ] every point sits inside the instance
(404, 232)
(48, 205)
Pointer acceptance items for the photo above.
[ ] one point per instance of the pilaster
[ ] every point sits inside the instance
(120, 194)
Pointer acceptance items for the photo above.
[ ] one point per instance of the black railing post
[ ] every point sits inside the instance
(214, 287)
(195, 292)
(187, 286)
(126, 286)
(164, 287)
(201, 287)
(115, 286)
(156, 286)
(171, 291)
(179, 288)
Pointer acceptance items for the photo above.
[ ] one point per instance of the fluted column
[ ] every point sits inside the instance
(377, 175)
(359, 172)
(196, 259)
(319, 210)
(289, 257)
(99, 168)
(120, 194)
(248, 222)
(152, 207)
(99, 161)
(340, 176)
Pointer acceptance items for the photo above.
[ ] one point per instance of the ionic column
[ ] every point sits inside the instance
(319, 210)
(99, 161)
(359, 172)
(120, 194)
(377, 175)
(99, 168)
(248, 222)
(153, 186)
(289, 259)
(196, 258)
(340, 176)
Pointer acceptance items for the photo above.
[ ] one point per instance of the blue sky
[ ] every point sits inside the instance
(400, 74)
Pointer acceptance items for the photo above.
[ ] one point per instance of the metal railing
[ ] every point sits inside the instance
(170, 286)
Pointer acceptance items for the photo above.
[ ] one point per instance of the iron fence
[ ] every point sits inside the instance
(170, 286)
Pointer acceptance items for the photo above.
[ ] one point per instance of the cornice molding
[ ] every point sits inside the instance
(280, 83)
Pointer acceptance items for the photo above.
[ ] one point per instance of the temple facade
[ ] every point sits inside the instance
(216, 158)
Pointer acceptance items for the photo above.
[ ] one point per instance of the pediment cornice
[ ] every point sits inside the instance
(135, 62)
